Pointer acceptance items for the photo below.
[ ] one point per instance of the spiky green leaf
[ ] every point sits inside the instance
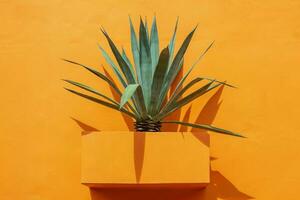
(141, 103)
(154, 45)
(189, 71)
(122, 63)
(145, 64)
(158, 78)
(129, 91)
(98, 74)
(135, 50)
(104, 103)
(172, 43)
(147, 30)
(206, 88)
(175, 68)
(206, 127)
(87, 88)
(185, 88)
(178, 104)
(113, 66)
(129, 76)
(125, 57)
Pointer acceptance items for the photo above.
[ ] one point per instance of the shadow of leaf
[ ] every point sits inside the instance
(116, 96)
(86, 129)
(175, 115)
(208, 113)
(186, 118)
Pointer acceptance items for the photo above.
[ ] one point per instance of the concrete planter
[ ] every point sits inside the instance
(142, 160)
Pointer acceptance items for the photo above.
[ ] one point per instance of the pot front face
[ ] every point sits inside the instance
(171, 159)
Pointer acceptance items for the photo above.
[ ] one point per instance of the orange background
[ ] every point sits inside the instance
(257, 49)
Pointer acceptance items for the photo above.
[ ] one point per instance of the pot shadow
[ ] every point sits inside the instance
(139, 152)
(219, 188)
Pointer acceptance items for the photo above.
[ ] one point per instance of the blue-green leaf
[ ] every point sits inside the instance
(146, 29)
(129, 91)
(98, 74)
(175, 68)
(87, 88)
(158, 78)
(172, 42)
(197, 93)
(113, 66)
(154, 44)
(189, 71)
(185, 100)
(125, 57)
(113, 106)
(145, 64)
(135, 50)
(129, 76)
(185, 88)
(141, 103)
(122, 63)
(206, 127)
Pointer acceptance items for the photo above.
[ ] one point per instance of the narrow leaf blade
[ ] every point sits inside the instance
(135, 50)
(158, 78)
(125, 57)
(146, 29)
(87, 88)
(115, 107)
(113, 66)
(206, 127)
(190, 70)
(175, 68)
(172, 42)
(154, 45)
(129, 91)
(98, 74)
(145, 64)
(185, 88)
(178, 104)
(129, 76)
(122, 63)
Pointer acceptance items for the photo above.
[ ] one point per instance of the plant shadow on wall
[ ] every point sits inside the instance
(219, 188)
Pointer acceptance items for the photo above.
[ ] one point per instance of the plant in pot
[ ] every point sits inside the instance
(114, 158)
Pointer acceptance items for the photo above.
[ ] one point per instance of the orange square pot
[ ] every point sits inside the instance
(155, 160)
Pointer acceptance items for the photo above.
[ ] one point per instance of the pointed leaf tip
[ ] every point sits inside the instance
(196, 27)
(103, 30)
(141, 20)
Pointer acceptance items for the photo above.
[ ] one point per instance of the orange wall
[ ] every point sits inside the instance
(257, 48)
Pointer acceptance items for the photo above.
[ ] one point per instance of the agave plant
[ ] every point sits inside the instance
(147, 80)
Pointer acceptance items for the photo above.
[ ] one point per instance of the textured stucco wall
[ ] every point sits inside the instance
(257, 48)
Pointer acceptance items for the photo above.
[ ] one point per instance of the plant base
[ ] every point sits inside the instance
(147, 126)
